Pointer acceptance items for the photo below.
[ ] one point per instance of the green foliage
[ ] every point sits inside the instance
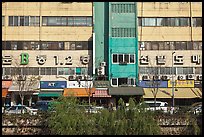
(69, 119)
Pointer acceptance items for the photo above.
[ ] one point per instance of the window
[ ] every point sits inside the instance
(67, 21)
(197, 22)
(149, 22)
(115, 58)
(3, 20)
(24, 21)
(184, 70)
(198, 70)
(34, 21)
(123, 8)
(123, 58)
(114, 82)
(171, 22)
(184, 22)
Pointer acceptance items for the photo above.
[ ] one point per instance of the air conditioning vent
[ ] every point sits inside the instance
(199, 77)
(190, 77)
(181, 77)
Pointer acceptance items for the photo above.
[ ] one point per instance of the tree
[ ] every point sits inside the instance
(23, 81)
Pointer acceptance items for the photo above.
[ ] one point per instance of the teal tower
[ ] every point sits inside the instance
(116, 42)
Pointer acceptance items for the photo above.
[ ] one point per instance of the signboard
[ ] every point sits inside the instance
(182, 83)
(197, 84)
(53, 84)
(152, 84)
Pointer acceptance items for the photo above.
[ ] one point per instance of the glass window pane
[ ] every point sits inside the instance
(150, 21)
(64, 21)
(15, 20)
(132, 58)
(114, 81)
(51, 21)
(121, 58)
(70, 21)
(11, 21)
(115, 58)
(26, 21)
(89, 21)
(60, 71)
(44, 21)
(21, 20)
(3, 20)
(127, 58)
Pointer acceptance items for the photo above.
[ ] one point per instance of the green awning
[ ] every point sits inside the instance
(126, 91)
(49, 94)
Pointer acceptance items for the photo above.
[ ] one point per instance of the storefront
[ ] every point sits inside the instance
(101, 97)
(125, 93)
(29, 94)
(51, 89)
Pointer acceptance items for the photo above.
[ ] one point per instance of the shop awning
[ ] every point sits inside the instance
(6, 83)
(126, 91)
(16, 88)
(4, 92)
(50, 94)
(101, 93)
(178, 93)
(78, 92)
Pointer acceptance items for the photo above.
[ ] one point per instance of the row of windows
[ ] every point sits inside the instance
(170, 45)
(168, 70)
(44, 71)
(29, 45)
(171, 22)
(123, 8)
(24, 21)
(123, 32)
(123, 58)
(48, 21)
(123, 82)
(67, 21)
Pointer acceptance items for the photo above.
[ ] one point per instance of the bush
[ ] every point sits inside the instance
(68, 119)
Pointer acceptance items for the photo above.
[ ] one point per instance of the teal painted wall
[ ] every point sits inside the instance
(99, 32)
(123, 44)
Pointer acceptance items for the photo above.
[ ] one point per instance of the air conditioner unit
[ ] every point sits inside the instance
(103, 64)
(87, 77)
(181, 77)
(145, 77)
(156, 77)
(72, 77)
(199, 77)
(190, 77)
(6, 77)
(101, 71)
(165, 77)
(80, 78)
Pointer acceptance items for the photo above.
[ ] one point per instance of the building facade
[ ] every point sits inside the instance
(116, 47)
(170, 44)
(50, 40)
